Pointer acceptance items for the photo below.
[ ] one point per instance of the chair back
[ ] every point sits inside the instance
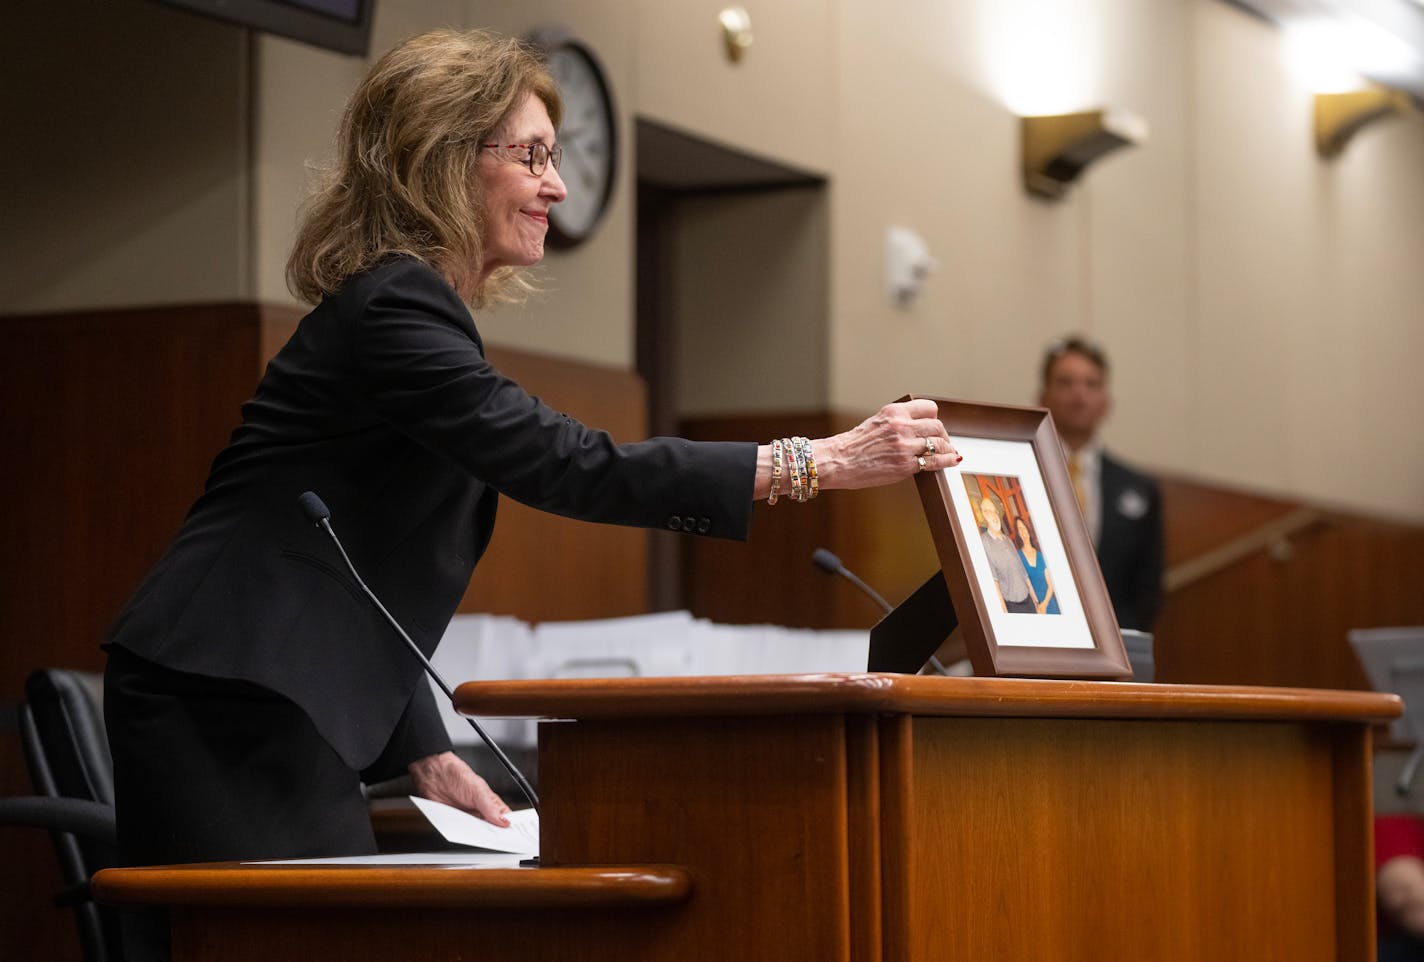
(67, 750)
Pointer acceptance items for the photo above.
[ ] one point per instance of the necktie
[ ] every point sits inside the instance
(1075, 474)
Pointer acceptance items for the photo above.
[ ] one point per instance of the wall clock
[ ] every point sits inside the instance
(588, 134)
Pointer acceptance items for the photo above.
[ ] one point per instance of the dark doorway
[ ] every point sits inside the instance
(674, 170)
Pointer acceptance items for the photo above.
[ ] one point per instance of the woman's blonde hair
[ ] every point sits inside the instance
(403, 181)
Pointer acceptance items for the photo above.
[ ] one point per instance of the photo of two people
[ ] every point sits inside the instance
(1020, 571)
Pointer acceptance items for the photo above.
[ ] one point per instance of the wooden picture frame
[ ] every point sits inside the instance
(1014, 462)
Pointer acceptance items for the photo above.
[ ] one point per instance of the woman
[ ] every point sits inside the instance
(250, 688)
(1039, 580)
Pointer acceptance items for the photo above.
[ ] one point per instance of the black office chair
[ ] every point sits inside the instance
(62, 728)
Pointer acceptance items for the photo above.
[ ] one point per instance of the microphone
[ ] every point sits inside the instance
(316, 511)
(830, 564)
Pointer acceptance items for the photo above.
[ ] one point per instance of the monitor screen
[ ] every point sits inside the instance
(342, 25)
(1394, 661)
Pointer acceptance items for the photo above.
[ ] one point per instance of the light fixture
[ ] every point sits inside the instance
(736, 31)
(1057, 147)
(1339, 116)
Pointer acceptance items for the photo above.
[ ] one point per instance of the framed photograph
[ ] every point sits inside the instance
(1015, 551)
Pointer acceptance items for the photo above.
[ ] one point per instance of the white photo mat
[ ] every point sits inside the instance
(993, 457)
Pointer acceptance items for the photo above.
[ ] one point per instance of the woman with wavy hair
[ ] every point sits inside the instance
(250, 687)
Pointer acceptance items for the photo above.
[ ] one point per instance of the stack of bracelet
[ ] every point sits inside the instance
(794, 455)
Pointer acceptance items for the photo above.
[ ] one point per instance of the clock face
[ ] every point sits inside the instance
(588, 135)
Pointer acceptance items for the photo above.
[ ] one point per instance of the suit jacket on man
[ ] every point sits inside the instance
(383, 404)
(1130, 543)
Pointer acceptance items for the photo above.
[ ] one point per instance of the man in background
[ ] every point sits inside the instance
(1123, 508)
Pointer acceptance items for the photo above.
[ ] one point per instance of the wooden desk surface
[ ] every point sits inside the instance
(413, 885)
(860, 694)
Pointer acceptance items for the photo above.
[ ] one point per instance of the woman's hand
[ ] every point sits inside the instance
(446, 778)
(886, 447)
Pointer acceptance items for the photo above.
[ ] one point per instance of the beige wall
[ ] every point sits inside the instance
(1261, 305)
(750, 302)
(1310, 293)
(124, 130)
(778, 102)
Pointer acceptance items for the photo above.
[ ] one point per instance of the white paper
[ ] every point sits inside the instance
(462, 828)
(455, 859)
(487, 648)
(631, 647)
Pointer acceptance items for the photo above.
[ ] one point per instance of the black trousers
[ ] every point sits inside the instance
(209, 769)
(212, 770)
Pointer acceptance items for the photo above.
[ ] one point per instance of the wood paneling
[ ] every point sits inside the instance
(1112, 839)
(110, 422)
(326, 886)
(1198, 517)
(757, 802)
(1281, 616)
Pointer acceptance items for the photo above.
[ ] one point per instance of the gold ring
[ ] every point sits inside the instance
(922, 463)
(929, 446)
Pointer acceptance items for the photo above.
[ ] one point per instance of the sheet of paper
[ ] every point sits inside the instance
(462, 828)
(631, 647)
(484, 648)
(456, 859)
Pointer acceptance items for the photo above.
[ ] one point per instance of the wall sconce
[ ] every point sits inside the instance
(1057, 147)
(1339, 116)
(736, 31)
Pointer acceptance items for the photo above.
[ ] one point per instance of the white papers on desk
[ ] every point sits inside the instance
(462, 828)
(666, 644)
(656, 645)
(461, 858)
(674, 643)
(483, 648)
(774, 650)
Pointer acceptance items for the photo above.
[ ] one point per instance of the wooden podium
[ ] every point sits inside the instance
(874, 818)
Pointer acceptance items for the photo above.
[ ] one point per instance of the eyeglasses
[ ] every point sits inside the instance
(539, 157)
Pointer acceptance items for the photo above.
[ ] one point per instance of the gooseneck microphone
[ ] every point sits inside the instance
(830, 564)
(316, 511)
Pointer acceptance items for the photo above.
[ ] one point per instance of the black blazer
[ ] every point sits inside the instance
(1130, 543)
(383, 404)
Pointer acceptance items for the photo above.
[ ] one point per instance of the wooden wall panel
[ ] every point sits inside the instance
(1280, 617)
(1199, 517)
(1130, 812)
(109, 421)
